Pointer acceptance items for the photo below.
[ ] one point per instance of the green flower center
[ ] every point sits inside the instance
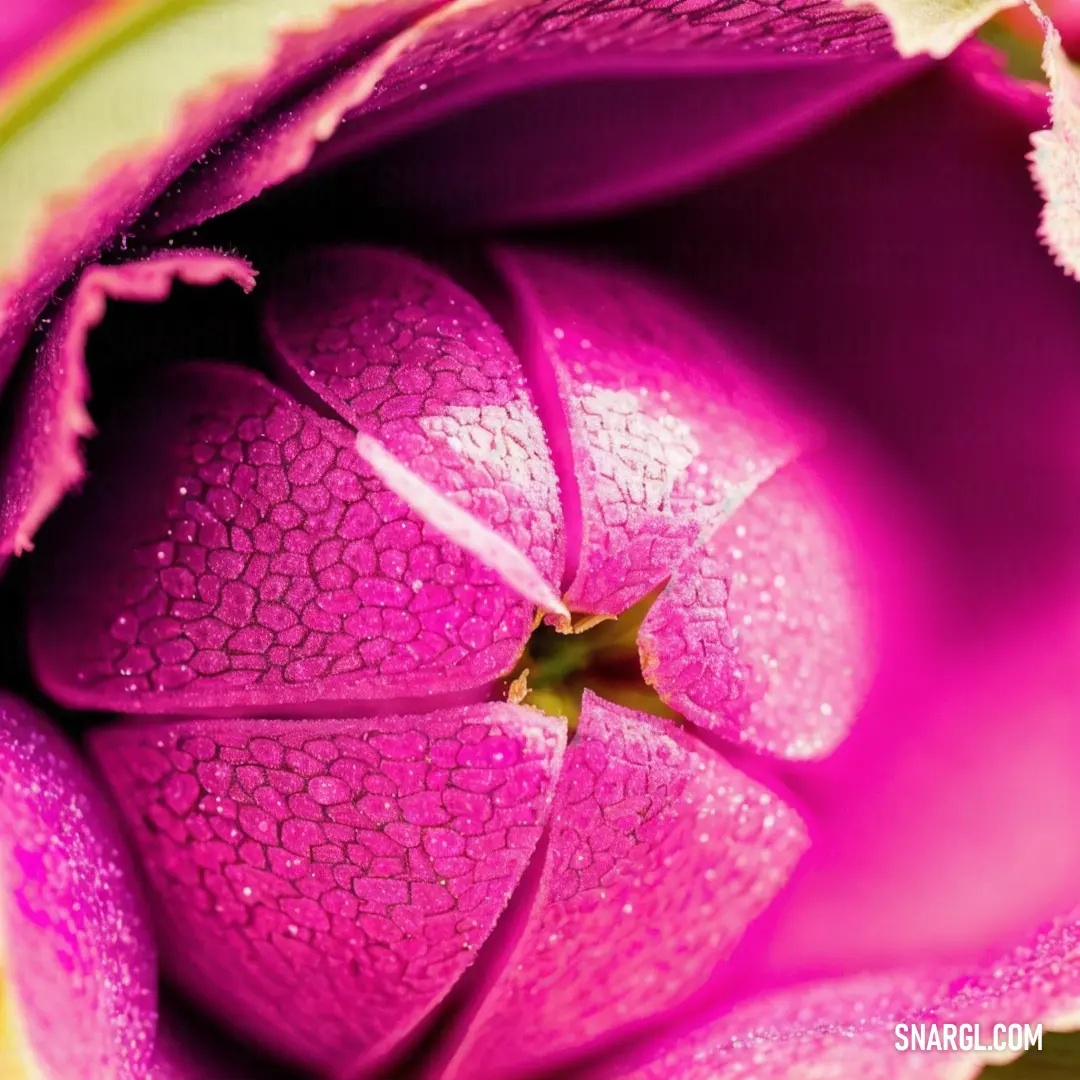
(598, 655)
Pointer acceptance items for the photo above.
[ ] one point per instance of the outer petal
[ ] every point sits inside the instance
(845, 1029)
(660, 854)
(973, 400)
(322, 885)
(817, 56)
(405, 355)
(96, 132)
(78, 949)
(244, 557)
(763, 633)
(663, 429)
(44, 460)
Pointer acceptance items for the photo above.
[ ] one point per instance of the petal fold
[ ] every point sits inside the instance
(763, 632)
(423, 371)
(44, 460)
(245, 557)
(78, 952)
(458, 525)
(322, 885)
(660, 854)
(755, 79)
(667, 431)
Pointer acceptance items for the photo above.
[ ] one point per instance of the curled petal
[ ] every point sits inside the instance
(762, 634)
(845, 1028)
(413, 361)
(44, 460)
(746, 82)
(660, 854)
(245, 557)
(666, 431)
(76, 168)
(78, 951)
(322, 885)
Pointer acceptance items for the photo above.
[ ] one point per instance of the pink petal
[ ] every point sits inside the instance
(965, 754)
(243, 556)
(747, 83)
(666, 430)
(846, 1028)
(128, 183)
(44, 460)
(408, 357)
(77, 942)
(660, 854)
(321, 885)
(588, 146)
(458, 525)
(762, 634)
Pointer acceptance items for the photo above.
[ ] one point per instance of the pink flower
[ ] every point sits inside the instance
(721, 320)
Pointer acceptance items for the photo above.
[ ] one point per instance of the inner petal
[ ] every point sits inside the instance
(668, 430)
(660, 854)
(243, 557)
(763, 634)
(322, 885)
(402, 353)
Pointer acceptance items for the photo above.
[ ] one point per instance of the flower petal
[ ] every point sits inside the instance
(847, 1028)
(660, 854)
(405, 355)
(117, 113)
(458, 525)
(78, 950)
(322, 885)
(964, 755)
(666, 430)
(762, 634)
(44, 460)
(590, 146)
(757, 78)
(244, 557)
